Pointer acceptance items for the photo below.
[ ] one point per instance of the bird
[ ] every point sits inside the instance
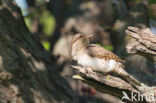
(97, 57)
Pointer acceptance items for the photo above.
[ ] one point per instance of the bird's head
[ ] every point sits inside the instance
(81, 40)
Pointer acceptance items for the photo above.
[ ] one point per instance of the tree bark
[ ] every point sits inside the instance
(28, 74)
(145, 43)
(115, 86)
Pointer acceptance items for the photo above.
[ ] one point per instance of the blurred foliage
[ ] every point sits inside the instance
(69, 2)
(138, 1)
(47, 21)
(150, 14)
(28, 22)
(152, 11)
(107, 47)
(46, 45)
(134, 1)
(29, 18)
(39, 2)
(151, 1)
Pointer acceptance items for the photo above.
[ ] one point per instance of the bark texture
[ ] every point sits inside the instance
(115, 86)
(28, 74)
(145, 43)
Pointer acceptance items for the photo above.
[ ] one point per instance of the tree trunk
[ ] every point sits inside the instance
(28, 74)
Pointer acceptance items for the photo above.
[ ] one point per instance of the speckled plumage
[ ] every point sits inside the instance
(96, 57)
(99, 52)
(93, 55)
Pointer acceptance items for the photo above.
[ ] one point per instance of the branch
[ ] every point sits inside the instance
(115, 86)
(145, 42)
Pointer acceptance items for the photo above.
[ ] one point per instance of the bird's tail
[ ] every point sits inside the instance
(128, 77)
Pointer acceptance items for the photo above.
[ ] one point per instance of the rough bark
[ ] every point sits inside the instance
(145, 43)
(27, 72)
(114, 85)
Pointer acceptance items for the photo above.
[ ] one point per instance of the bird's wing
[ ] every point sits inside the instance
(99, 52)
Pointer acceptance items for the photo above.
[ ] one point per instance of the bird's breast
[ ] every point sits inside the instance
(98, 64)
(85, 60)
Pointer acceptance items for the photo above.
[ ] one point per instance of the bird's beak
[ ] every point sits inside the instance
(89, 35)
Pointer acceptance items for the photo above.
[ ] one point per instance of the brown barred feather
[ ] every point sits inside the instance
(99, 52)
